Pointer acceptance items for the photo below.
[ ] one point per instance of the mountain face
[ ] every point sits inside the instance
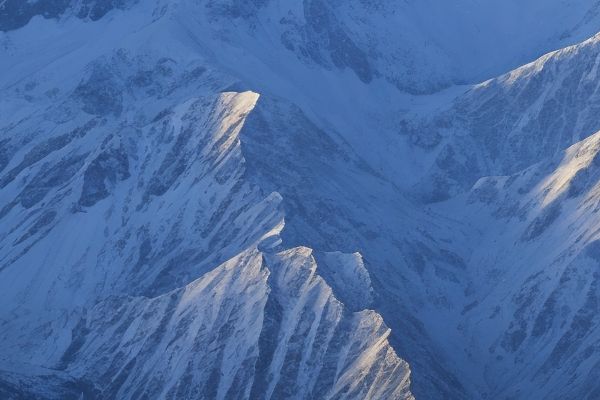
(16, 14)
(511, 122)
(546, 216)
(266, 199)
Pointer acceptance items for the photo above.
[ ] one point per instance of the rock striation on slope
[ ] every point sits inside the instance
(534, 309)
(144, 185)
(260, 326)
(511, 122)
(140, 258)
(530, 311)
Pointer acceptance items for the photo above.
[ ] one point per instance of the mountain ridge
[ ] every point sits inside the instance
(172, 146)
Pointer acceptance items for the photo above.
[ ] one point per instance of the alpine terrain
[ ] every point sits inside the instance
(299, 199)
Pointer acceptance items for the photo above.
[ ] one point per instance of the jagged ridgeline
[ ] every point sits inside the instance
(285, 199)
(145, 211)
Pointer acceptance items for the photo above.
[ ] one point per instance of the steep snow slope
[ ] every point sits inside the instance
(419, 46)
(534, 307)
(259, 326)
(508, 123)
(350, 58)
(16, 14)
(136, 156)
(339, 203)
(530, 316)
(124, 184)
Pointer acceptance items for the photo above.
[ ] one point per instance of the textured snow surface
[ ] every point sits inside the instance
(225, 199)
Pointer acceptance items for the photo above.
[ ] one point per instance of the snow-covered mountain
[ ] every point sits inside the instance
(534, 309)
(266, 199)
